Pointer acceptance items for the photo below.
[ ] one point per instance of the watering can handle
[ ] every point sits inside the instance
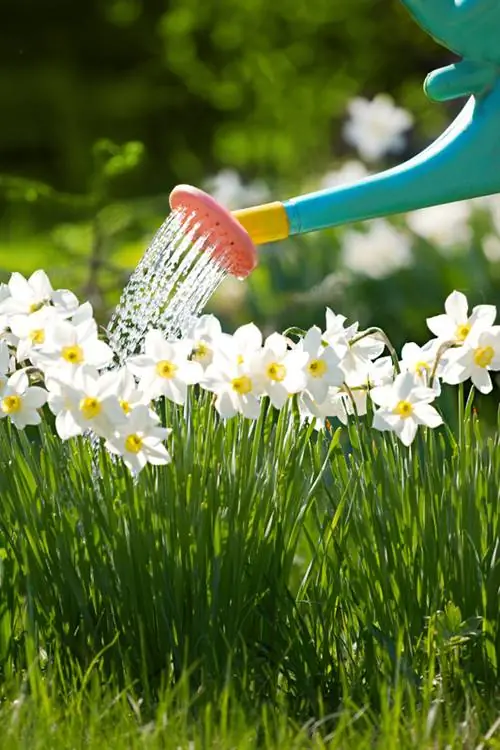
(463, 163)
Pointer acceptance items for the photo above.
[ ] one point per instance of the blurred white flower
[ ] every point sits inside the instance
(404, 406)
(480, 355)
(351, 171)
(378, 252)
(278, 371)
(229, 190)
(139, 440)
(456, 325)
(323, 366)
(376, 127)
(446, 227)
(204, 334)
(19, 401)
(491, 248)
(164, 369)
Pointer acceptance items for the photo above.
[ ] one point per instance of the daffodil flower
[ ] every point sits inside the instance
(278, 371)
(70, 346)
(404, 406)
(476, 359)
(139, 440)
(456, 324)
(20, 402)
(235, 387)
(165, 369)
(323, 364)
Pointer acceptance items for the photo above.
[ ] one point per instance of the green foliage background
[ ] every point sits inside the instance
(108, 104)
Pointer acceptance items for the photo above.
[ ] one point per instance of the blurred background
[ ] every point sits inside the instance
(107, 104)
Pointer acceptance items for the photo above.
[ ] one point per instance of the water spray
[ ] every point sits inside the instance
(463, 163)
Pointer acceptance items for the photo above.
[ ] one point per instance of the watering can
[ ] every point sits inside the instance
(463, 163)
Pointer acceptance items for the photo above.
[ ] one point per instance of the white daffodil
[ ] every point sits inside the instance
(19, 401)
(121, 383)
(476, 359)
(278, 371)
(243, 344)
(421, 361)
(336, 331)
(164, 369)
(83, 402)
(30, 330)
(205, 334)
(69, 346)
(323, 367)
(337, 404)
(29, 295)
(456, 325)
(357, 361)
(404, 406)
(139, 440)
(236, 389)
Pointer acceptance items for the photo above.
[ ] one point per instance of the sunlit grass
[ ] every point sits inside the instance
(271, 587)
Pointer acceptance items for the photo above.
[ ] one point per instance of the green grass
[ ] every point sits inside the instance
(272, 587)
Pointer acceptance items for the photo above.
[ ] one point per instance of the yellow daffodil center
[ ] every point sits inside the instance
(166, 369)
(133, 443)
(11, 404)
(38, 336)
(422, 367)
(462, 331)
(317, 368)
(483, 356)
(35, 307)
(275, 371)
(90, 407)
(404, 409)
(201, 351)
(240, 359)
(125, 406)
(241, 385)
(72, 354)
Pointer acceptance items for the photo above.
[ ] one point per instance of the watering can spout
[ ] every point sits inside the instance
(463, 163)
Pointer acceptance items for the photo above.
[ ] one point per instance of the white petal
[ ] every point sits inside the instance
(19, 288)
(481, 379)
(190, 372)
(250, 406)
(383, 395)
(35, 397)
(403, 385)
(278, 343)
(456, 307)
(248, 337)
(40, 284)
(407, 430)
(442, 326)
(66, 426)
(427, 415)
(224, 405)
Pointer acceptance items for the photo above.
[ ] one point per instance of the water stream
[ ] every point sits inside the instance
(170, 286)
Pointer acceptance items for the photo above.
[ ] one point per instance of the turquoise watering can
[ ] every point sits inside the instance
(464, 162)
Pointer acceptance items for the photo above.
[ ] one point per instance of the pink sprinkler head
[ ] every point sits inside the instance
(225, 238)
